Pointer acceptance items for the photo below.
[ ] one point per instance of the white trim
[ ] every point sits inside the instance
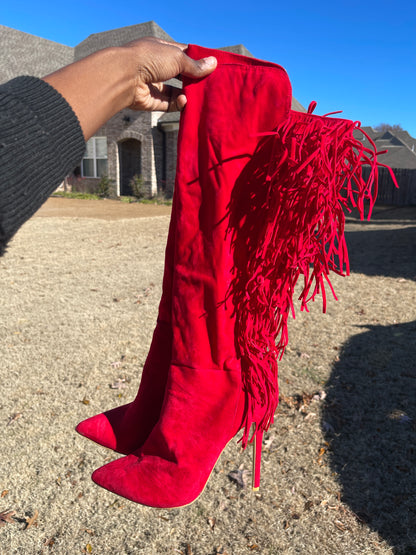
(173, 126)
(95, 157)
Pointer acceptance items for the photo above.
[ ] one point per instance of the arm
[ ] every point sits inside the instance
(44, 123)
(131, 76)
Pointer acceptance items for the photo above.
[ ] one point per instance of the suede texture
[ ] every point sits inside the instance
(174, 464)
(204, 400)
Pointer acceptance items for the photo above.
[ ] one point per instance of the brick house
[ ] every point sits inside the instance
(131, 143)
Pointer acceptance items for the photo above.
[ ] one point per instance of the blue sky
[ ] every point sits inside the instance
(359, 57)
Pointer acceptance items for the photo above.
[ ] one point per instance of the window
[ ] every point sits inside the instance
(94, 163)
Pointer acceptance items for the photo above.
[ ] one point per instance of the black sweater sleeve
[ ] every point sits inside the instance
(41, 141)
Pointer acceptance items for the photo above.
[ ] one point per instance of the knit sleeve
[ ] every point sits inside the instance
(41, 141)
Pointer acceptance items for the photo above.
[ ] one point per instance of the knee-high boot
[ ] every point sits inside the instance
(204, 403)
(259, 192)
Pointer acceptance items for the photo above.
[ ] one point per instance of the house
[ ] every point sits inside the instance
(131, 143)
(401, 157)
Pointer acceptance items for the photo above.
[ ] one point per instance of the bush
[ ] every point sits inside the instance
(104, 185)
(137, 187)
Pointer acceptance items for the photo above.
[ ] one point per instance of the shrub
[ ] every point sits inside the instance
(104, 185)
(137, 187)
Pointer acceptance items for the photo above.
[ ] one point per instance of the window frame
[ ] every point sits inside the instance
(94, 158)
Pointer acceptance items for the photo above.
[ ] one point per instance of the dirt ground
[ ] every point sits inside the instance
(105, 209)
(80, 291)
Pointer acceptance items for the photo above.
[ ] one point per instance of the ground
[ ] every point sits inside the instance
(105, 209)
(80, 290)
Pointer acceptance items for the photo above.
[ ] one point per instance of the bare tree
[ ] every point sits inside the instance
(382, 127)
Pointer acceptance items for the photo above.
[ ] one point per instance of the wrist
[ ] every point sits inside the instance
(122, 70)
(97, 87)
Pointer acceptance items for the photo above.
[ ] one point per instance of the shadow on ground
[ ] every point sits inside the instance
(370, 422)
(382, 251)
(370, 411)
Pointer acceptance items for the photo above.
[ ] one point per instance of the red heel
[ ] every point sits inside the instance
(257, 444)
(260, 200)
(204, 391)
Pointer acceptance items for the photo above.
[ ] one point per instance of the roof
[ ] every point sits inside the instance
(297, 106)
(400, 146)
(25, 54)
(118, 37)
(237, 49)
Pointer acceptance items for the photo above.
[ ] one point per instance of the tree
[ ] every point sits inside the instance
(382, 127)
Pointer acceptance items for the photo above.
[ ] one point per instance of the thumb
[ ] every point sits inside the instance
(198, 68)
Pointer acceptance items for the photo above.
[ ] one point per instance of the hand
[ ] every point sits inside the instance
(158, 61)
(130, 76)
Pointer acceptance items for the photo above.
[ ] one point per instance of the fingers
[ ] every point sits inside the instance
(160, 97)
(179, 45)
(164, 60)
(198, 68)
(177, 100)
(155, 62)
(191, 68)
(171, 99)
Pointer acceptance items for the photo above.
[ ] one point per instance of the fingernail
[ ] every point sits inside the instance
(210, 61)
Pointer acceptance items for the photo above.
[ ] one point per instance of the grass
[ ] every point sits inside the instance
(84, 196)
(338, 473)
(158, 199)
(313, 375)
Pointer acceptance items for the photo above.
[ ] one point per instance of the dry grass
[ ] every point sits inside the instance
(78, 304)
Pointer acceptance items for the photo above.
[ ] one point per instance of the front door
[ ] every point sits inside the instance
(130, 164)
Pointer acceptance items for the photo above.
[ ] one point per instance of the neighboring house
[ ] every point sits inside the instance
(131, 143)
(400, 145)
(401, 157)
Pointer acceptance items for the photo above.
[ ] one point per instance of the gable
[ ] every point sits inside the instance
(400, 146)
(118, 37)
(25, 54)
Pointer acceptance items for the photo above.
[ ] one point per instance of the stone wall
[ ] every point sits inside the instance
(171, 143)
(129, 124)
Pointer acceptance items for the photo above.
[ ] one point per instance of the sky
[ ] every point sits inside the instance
(359, 57)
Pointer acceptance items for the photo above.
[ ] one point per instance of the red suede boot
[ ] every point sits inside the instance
(127, 427)
(259, 191)
(204, 401)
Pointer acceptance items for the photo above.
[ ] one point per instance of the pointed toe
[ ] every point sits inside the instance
(103, 429)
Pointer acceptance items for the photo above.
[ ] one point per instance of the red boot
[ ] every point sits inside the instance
(258, 194)
(204, 405)
(127, 427)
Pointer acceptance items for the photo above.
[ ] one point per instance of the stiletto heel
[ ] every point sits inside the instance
(257, 443)
(260, 196)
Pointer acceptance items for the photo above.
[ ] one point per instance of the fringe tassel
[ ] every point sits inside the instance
(287, 220)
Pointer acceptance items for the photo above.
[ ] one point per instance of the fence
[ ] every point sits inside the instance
(388, 194)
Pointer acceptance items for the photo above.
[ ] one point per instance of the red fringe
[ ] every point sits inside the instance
(311, 171)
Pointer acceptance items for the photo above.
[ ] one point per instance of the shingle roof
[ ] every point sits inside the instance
(118, 37)
(237, 49)
(297, 106)
(399, 145)
(407, 139)
(24, 54)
